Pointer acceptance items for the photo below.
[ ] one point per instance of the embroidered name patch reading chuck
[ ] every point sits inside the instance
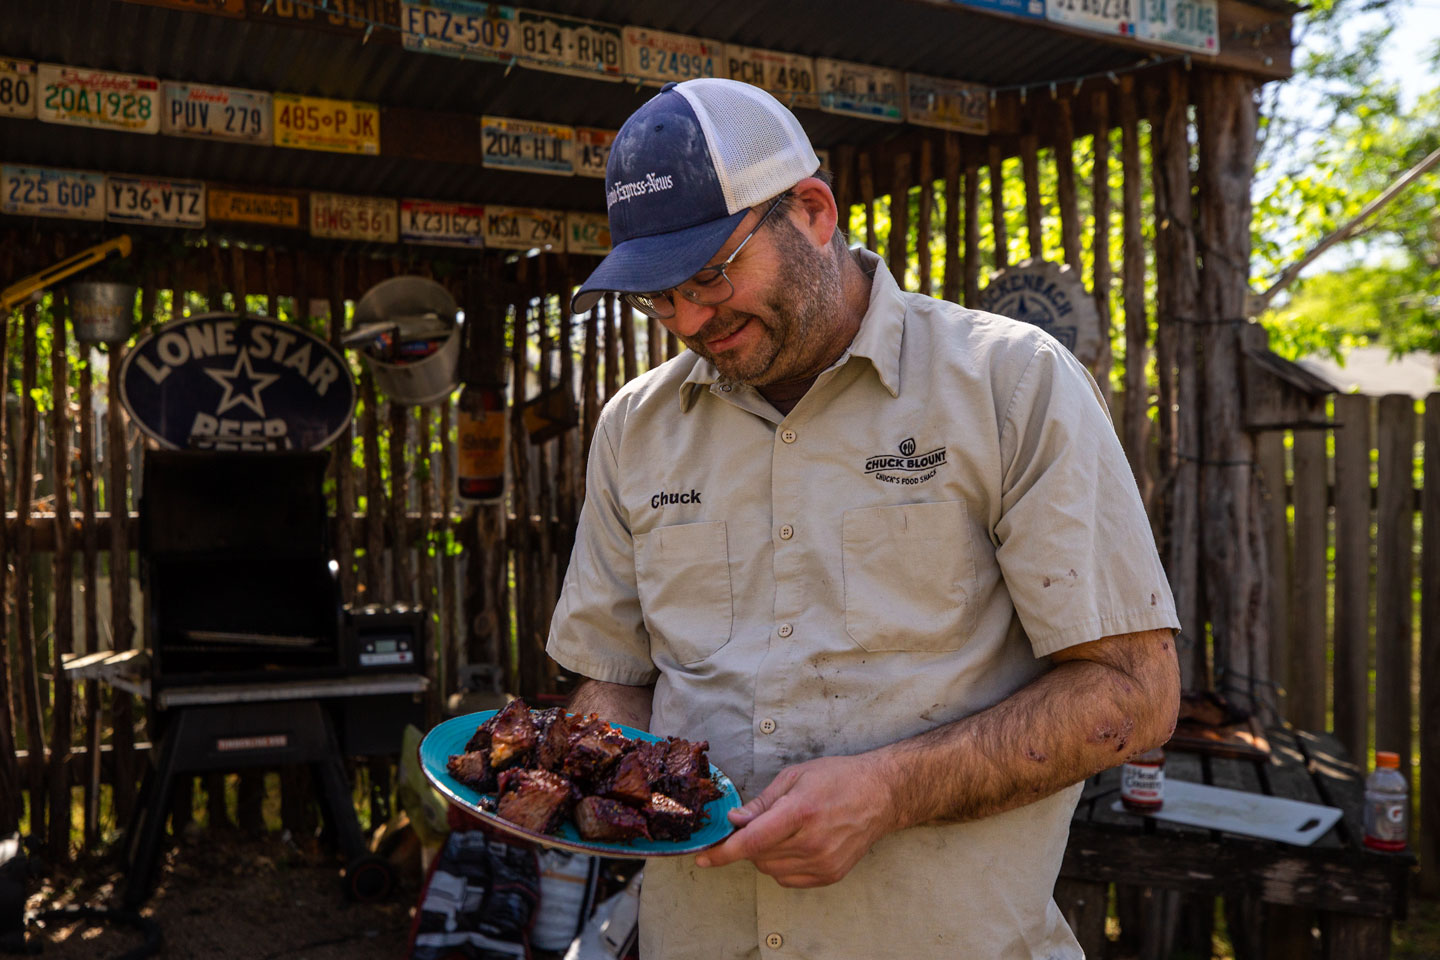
(661, 499)
(909, 468)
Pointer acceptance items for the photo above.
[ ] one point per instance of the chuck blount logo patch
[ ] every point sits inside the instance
(909, 467)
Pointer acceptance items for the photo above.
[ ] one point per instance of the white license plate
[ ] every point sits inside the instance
(1186, 24)
(526, 145)
(96, 98)
(340, 217)
(442, 224)
(221, 113)
(947, 104)
(587, 233)
(656, 57)
(592, 151)
(461, 28)
(788, 76)
(17, 88)
(585, 48)
(172, 203)
(45, 192)
(860, 90)
(1115, 17)
(522, 228)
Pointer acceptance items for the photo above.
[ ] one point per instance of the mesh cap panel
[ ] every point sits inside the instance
(759, 148)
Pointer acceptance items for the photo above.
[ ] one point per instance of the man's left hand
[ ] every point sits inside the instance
(813, 823)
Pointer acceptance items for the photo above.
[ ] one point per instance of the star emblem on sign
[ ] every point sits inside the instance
(242, 385)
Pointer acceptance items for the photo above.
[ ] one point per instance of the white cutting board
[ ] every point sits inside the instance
(1235, 811)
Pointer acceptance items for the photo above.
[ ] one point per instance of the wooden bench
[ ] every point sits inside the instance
(1274, 893)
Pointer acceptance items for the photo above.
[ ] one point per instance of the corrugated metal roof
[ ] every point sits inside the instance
(926, 37)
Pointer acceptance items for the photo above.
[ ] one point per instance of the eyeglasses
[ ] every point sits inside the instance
(708, 287)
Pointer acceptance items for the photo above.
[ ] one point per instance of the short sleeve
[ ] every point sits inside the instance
(1075, 545)
(597, 630)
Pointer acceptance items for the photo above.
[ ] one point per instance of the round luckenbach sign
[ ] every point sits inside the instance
(222, 381)
(1053, 298)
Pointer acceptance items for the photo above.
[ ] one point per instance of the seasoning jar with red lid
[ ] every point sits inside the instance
(1142, 782)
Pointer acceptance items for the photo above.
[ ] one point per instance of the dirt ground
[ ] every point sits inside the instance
(231, 898)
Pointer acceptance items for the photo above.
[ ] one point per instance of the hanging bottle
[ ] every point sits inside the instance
(482, 422)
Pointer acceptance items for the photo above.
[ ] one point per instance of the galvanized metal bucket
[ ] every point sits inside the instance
(102, 312)
(405, 309)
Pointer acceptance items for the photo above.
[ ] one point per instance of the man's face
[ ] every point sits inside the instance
(779, 325)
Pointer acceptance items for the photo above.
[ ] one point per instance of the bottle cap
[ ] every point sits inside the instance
(1387, 760)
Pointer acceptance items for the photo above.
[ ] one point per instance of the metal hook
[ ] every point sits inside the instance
(1187, 63)
(1113, 79)
(368, 30)
(1079, 81)
(1023, 92)
(1052, 89)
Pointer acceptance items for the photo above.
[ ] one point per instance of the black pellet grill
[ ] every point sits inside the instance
(253, 660)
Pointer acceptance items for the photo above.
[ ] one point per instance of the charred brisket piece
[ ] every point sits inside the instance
(594, 749)
(535, 799)
(553, 729)
(669, 819)
(472, 768)
(687, 773)
(512, 740)
(480, 740)
(628, 782)
(609, 820)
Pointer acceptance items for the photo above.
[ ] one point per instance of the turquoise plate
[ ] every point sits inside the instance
(450, 737)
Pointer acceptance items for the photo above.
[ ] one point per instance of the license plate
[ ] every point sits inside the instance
(96, 98)
(860, 90)
(592, 151)
(375, 21)
(341, 217)
(1116, 17)
(585, 48)
(314, 123)
(656, 57)
(788, 76)
(171, 203)
(461, 28)
(587, 233)
(17, 88)
(1034, 9)
(221, 113)
(525, 145)
(522, 228)
(246, 206)
(45, 192)
(1185, 24)
(947, 104)
(442, 224)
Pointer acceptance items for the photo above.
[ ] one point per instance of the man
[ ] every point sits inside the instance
(883, 553)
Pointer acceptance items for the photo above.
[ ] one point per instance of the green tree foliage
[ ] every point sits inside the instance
(1321, 164)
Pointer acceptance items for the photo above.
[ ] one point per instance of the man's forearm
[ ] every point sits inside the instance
(617, 702)
(1080, 718)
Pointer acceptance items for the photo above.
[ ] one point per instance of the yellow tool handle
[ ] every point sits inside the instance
(17, 293)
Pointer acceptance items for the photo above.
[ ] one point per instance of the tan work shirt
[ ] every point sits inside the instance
(947, 505)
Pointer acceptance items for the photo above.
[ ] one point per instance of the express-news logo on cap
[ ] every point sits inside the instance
(683, 172)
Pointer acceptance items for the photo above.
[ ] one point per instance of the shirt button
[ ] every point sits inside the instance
(767, 725)
(786, 531)
(774, 941)
(785, 630)
(788, 436)
(725, 387)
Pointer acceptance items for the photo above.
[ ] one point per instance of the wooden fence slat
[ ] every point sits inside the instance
(1270, 453)
(90, 554)
(525, 667)
(972, 235)
(121, 628)
(63, 639)
(1393, 576)
(10, 789)
(1306, 687)
(867, 199)
(897, 244)
(997, 205)
(612, 343)
(922, 217)
(1351, 684)
(954, 280)
(401, 586)
(341, 464)
(627, 347)
(24, 623)
(1034, 203)
(1137, 421)
(1065, 185)
(1428, 835)
(374, 568)
(1102, 275)
(424, 468)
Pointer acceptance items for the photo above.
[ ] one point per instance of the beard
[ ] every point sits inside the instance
(796, 336)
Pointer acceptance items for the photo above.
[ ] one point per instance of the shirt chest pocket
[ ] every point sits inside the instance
(682, 574)
(909, 576)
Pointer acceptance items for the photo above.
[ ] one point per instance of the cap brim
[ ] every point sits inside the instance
(658, 262)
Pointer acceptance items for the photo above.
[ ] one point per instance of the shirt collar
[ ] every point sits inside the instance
(877, 340)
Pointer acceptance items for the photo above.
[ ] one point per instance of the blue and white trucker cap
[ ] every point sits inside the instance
(683, 171)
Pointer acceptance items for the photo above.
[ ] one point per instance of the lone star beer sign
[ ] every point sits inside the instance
(1051, 297)
(223, 381)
